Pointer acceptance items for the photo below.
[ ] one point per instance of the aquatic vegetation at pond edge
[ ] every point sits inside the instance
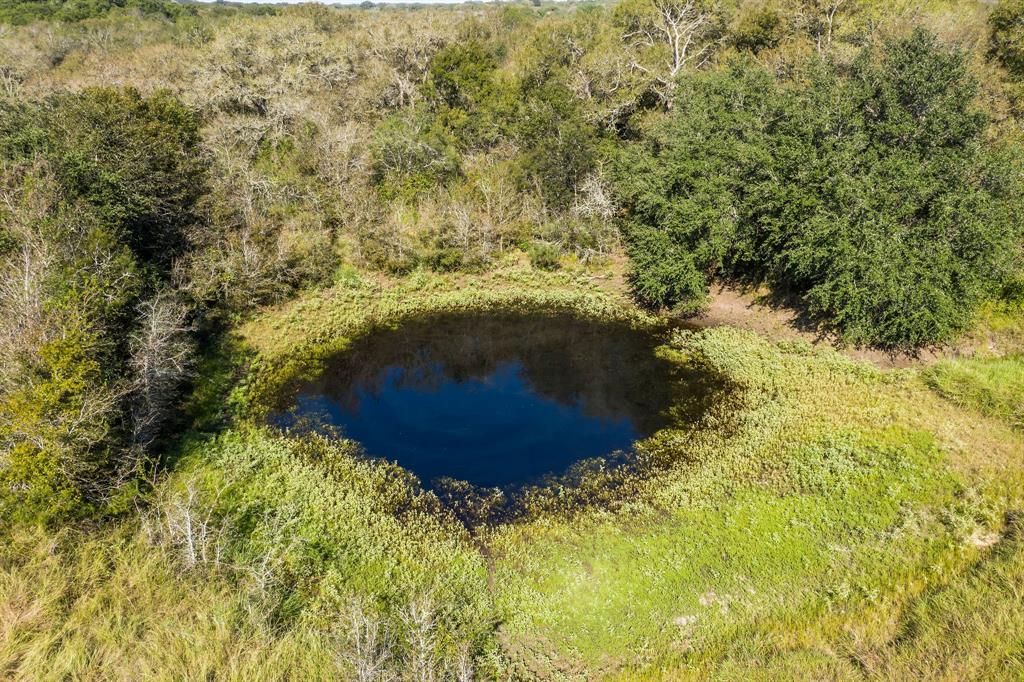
(495, 399)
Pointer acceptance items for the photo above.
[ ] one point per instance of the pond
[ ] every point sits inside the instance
(497, 400)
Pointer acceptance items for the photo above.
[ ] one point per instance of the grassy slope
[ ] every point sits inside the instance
(833, 521)
(992, 386)
(991, 381)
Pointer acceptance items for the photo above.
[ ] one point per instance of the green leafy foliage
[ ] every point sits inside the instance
(760, 29)
(544, 255)
(683, 186)
(108, 181)
(27, 11)
(54, 432)
(664, 273)
(872, 196)
(559, 147)
(1006, 41)
(411, 155)
(134, 159)
(462, 87)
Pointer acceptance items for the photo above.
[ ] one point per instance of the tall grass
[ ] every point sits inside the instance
(108, 606)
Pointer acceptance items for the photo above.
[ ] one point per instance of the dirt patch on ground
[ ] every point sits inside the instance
(735, 308)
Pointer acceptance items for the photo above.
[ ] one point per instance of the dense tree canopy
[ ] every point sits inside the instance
(102, 186)
(871, 193)
(25, 11)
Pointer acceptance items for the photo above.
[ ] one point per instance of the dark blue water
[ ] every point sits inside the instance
(495, 400)
(492, 430)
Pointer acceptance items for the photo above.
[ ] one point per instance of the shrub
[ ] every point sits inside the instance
(908, 222)
(1006, 38)
(544, 255)
(462, 91)
(664, 273)
(133, 159)
(559, 148)
(445, 259)
(760, 29)
(411, 155)
(683, 187)
(26, 11)
(53, 431)
(101, 185)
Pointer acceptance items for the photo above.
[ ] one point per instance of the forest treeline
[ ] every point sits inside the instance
(166, 169)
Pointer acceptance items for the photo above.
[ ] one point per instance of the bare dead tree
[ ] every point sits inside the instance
(407, 58)
(368, 648)
(186, 524)
(161, 357)
(687, 28)
(10, 80)
(593, 199)
(592, 231)
(23, 272)
(265, 573)
(463, 669)
(819, 18)
(419, 618)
